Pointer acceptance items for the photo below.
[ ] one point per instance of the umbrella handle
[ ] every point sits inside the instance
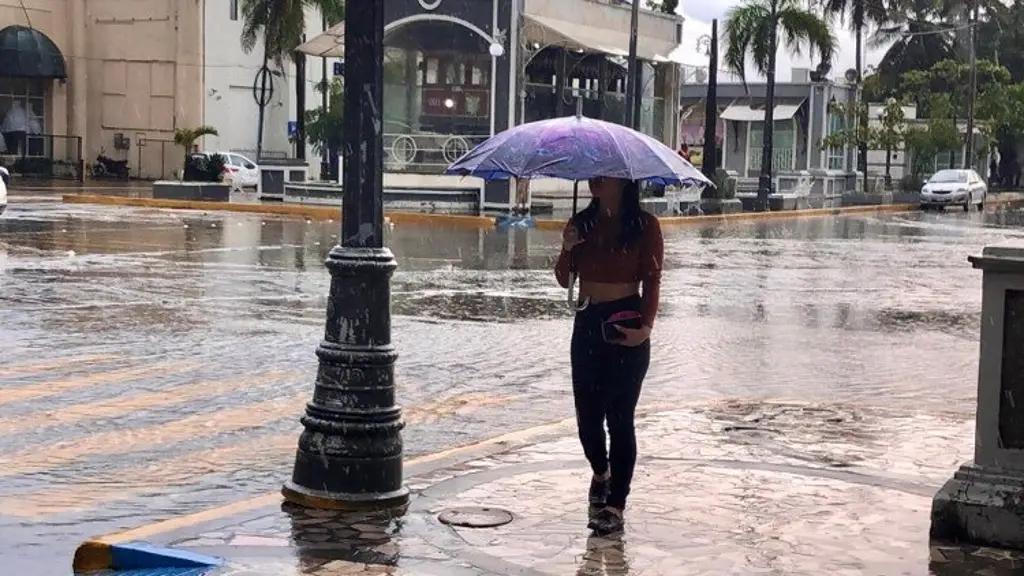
(572, 275)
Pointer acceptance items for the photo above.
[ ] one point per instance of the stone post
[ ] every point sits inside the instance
(984, 501)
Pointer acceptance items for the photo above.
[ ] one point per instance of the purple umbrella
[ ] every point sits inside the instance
(576, 148)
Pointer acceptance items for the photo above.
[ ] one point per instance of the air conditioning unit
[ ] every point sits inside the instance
(121, 142)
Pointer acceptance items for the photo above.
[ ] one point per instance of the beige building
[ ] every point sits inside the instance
(135, 70)
(134, 74)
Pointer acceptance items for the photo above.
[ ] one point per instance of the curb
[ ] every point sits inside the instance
(415, 218)
(94, 556)
(748, 216)
(302, 210)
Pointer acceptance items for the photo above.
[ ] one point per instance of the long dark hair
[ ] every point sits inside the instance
(630, 216)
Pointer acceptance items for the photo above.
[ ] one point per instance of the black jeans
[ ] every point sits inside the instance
(606, 383)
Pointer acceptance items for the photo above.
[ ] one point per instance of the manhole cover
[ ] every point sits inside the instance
(475, 517)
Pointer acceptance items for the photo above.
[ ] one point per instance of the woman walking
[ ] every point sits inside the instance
(616, 249)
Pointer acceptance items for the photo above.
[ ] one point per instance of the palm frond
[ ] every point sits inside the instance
(801, 26)
(743, 26)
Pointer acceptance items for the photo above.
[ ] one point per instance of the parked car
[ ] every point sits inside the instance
(5, 178)
(244, 172)
(955, 188)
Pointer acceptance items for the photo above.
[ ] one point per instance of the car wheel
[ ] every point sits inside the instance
(967, 204)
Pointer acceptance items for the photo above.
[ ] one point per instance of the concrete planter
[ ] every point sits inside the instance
(203, 191)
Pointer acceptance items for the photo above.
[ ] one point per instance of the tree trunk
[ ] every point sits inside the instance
(764, 184)
(262, 101)
(300, 105)
(862, 146)
(888, 168)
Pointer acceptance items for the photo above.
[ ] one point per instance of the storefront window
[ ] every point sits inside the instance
(22, 109)
(836, 156)
(437, 95)
(783, 145)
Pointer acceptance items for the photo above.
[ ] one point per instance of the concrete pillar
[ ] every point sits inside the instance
(984, 501)
(188, 73)
(78, 72)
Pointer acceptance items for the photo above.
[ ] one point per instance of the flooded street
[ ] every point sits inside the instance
(154, 363)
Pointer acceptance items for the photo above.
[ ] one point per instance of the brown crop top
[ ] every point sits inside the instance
(600, 259)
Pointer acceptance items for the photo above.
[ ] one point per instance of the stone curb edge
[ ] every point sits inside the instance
(334, 213)
(98, 553)
(93, 556)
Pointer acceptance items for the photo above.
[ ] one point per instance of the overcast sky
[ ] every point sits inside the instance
(699, 14)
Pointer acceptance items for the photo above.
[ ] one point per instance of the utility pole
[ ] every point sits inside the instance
(632, 118)
(711, 108)
(971, 102)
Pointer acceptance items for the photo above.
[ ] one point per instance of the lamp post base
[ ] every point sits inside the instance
(981, 505)
(396, 502)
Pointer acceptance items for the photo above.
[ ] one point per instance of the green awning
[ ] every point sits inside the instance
(28, 53)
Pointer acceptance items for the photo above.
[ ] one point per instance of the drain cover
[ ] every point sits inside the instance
(474, 517)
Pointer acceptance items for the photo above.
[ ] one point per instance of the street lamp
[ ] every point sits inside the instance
(350, 453)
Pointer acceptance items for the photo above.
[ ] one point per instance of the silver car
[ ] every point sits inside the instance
(955, 188)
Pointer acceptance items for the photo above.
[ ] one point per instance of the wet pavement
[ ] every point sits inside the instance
(705, 501)
(155, 363)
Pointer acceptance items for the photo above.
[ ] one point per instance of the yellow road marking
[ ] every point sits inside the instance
(124, 484)
(44, 389)
(155, 476)
(46, 365)
(273, 498)
(112, 408)
(301, 210)
(41, 458)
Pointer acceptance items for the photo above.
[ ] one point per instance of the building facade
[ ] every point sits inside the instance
(459, 71)
(134, 72)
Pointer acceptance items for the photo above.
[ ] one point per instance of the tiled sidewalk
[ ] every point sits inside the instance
(722, 489)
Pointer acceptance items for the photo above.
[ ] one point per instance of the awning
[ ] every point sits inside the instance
(747, 113)
(28, 53)
(329, 44)
(574, 36)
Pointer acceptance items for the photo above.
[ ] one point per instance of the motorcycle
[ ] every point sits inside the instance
(108, 167)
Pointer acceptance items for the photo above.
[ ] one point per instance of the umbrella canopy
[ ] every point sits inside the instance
(577, 148)
(329, 44)
(28, 53)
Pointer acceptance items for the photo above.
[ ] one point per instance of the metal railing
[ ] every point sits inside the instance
(426, 153)
(45, 156)
(782, 158)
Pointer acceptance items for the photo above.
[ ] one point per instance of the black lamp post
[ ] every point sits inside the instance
(350, 453)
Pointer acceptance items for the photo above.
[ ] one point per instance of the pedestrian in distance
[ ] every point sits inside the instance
(616, 249)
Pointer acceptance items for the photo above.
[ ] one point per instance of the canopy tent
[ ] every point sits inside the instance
(329, 44)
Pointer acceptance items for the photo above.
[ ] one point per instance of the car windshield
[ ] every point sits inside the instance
(949, 176)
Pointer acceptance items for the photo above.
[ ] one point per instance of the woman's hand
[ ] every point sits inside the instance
(570, 238)
(633, 337)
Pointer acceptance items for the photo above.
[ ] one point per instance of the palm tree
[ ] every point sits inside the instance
(280, 24)
(862, 13)
(186, 137)
(754, 28)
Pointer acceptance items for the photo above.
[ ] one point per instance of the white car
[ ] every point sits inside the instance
(5, 177)
(955, 188)
(244, 172)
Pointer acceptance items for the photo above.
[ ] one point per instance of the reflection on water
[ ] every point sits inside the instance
(840, 314)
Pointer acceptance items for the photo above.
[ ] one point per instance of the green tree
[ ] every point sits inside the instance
(325, 128)
(940, 136)
(280, 24)
(186, 137)
(753, 29)
(891, 133)
(664, 6)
